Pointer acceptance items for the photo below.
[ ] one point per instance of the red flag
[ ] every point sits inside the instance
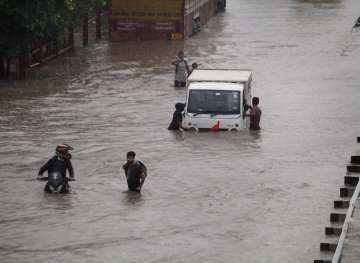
(216, 127)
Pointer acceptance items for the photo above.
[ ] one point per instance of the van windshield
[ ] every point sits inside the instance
(214, 102)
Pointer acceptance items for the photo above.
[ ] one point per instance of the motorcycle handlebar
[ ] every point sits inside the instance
(39, 178)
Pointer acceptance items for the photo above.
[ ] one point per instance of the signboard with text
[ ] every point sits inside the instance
(168, 10)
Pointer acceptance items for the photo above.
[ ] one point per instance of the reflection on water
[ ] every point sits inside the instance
(57, 201)
(319, 2)
(209, 197)
(133, 198)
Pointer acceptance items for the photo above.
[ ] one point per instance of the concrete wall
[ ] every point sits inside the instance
(144, 19)
(157, 19)
(204, 9)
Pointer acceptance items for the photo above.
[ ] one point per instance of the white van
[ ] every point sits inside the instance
(216, 99)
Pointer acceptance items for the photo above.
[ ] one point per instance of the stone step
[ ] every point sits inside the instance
(324, 256)
(340, 210)
(351, 180)
(326, 246)
(355, 159)
(333, 231)
(336, 224)
(346, 191)
(341, 204)
(337, 217)
(353, 168)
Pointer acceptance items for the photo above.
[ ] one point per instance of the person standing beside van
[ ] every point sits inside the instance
(181, 70)
(176, 123)
(255, 114)
(193, 67)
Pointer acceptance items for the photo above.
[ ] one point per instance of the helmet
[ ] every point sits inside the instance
(63, 148)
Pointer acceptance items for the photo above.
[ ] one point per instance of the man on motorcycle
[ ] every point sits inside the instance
(60, 162)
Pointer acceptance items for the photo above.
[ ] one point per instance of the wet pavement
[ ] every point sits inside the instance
(209, 197)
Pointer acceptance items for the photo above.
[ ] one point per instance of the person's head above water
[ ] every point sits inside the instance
(180, 106)
(255, 101)
(181, 54)
(194, 65)
(62, 150)
(130, 156)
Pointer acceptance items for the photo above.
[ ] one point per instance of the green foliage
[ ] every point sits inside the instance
(23, 23)
(82, 8)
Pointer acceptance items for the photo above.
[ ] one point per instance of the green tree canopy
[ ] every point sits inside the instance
(24, 23)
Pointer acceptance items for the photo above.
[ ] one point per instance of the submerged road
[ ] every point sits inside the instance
(209, 197)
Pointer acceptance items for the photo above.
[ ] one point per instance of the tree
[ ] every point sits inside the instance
(23, 23)
(28, 23)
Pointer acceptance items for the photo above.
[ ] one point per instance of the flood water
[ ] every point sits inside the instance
(209, 197)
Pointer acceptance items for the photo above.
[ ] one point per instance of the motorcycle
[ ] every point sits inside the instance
(56, 183)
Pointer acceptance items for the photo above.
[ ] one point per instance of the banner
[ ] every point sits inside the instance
(147, 9)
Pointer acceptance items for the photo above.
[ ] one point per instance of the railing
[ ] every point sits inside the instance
(46, 52)
(340, 246)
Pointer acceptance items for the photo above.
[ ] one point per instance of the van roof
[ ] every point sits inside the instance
(220, 75)
(202, 85)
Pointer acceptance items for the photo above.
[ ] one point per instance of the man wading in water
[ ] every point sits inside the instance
(181, 70)
(176, 123)
(255, 114)
(135, 172)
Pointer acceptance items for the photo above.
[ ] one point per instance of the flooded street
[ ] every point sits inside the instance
(210, 197)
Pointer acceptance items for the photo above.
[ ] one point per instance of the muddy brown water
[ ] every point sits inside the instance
(210, 197)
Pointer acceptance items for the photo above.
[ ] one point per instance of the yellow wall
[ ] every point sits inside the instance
(147, 9)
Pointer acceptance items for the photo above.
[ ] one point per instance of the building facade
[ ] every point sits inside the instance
(159, 19)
